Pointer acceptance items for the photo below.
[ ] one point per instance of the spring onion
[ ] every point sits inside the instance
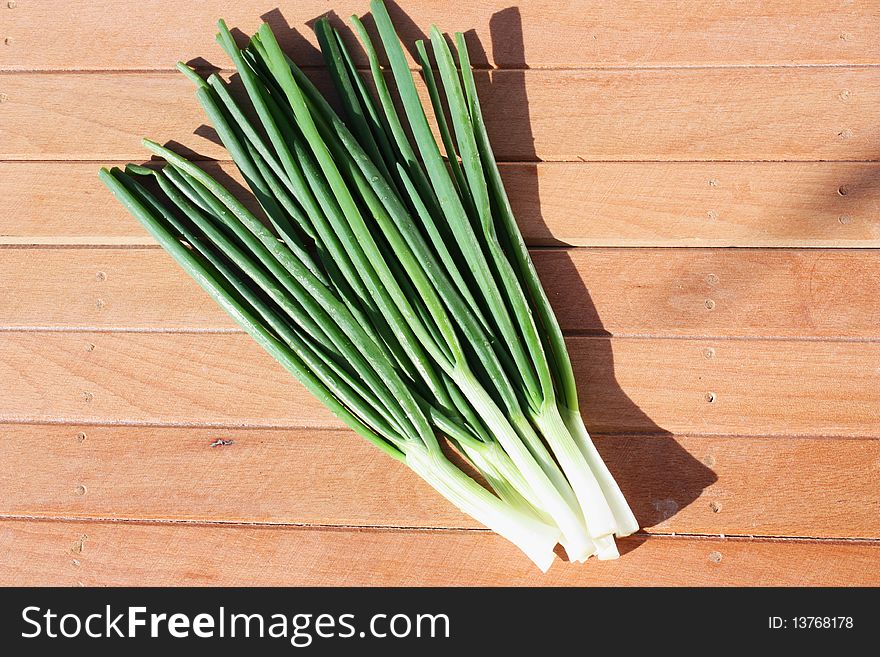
(390, 278)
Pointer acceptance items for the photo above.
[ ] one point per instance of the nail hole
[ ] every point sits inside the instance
(709, 353)
(81, 436)
(100, 276)
(842, 190)
(710, 305)
(80, 544)
(715, 557)
(845, 219)
(712, 279)
(715, 506)
(710, 397)
(709, 461)
(80, 490)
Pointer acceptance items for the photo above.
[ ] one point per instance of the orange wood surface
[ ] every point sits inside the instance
(732, 391)
(94, 553)
(775, 204)
(724, 484)
(144, 34)
(753, 386)
(801, 293)
(726, 113)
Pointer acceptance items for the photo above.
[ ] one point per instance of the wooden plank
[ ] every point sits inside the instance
(714, 292)
(130, 34)
(816, 113)
(755, 486)
(786, 293)
(104, 288)
(71, 553)
(762, 204)
(628, 385)
(582, 204)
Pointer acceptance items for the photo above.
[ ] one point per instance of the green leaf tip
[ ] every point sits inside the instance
(191, 74)
(139, 170)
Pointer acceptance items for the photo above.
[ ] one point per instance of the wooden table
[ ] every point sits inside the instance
(733, 391)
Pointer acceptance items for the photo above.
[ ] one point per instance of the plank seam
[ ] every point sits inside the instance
(415, 529)
(661, 433)
(538, 68)
(502, 163)
(21, 245)
(6, 159)
(230, 523)
(30, 244)
(134, 242)
(585, 334)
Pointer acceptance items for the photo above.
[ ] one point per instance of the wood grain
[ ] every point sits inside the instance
(755, 486)
(628, 385)
(776, 293)
(564, 115)
(582, 204)
(128, 34)
(70, 553)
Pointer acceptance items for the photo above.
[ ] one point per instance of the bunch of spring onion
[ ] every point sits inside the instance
(390, 278)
